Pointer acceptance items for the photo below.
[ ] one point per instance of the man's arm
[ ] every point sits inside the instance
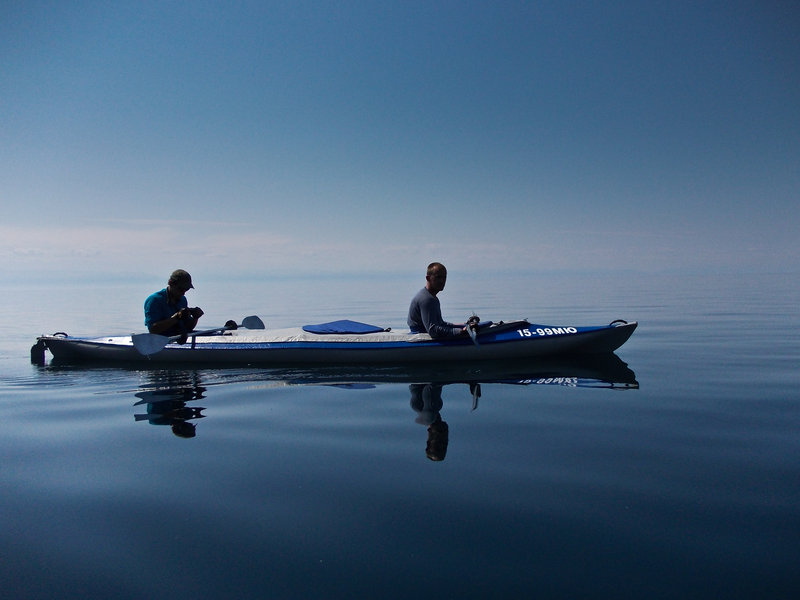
(435, 325)
(164, 324)
(189, 316)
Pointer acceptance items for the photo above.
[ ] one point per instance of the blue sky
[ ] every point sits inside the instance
(317, 137)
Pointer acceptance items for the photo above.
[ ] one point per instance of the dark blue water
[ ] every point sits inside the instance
(245, 482)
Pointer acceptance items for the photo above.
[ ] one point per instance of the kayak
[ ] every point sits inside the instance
(337, 343)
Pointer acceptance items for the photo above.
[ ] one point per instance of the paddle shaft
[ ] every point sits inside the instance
(150, 343)
(251, 322)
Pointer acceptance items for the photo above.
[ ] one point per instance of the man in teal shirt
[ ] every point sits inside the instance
(167, 311)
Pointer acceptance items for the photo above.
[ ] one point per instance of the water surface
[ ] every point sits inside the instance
(208, 483)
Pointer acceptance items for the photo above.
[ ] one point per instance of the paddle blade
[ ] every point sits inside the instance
(148, 343)
(252, 322)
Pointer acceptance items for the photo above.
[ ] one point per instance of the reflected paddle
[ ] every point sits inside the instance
(150, 343)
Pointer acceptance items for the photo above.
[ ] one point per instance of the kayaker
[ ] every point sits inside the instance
(167, 311)
(425, 312)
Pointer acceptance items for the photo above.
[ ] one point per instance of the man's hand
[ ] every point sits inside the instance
(188, 313)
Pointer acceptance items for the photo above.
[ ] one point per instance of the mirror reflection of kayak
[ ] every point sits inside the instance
(349, 344)
(586, 370)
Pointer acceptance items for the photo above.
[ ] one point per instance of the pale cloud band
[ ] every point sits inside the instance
(148, 248)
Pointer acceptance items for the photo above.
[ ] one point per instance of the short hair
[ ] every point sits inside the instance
(434, 267)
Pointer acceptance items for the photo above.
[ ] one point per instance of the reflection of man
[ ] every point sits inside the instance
(168, 407)
(426, 400)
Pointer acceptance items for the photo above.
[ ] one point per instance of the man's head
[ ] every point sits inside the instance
(180, 279)
(436, 277)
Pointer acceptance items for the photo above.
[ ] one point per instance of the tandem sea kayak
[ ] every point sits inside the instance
(337, 343)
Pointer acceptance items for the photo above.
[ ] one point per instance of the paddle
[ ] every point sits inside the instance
(150, 343)
(472, 326)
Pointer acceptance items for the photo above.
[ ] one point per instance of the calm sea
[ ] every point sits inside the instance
(244, 483)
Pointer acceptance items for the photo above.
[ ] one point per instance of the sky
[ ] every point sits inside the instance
(271, 138)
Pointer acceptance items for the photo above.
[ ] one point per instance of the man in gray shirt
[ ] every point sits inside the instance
(425, 312)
